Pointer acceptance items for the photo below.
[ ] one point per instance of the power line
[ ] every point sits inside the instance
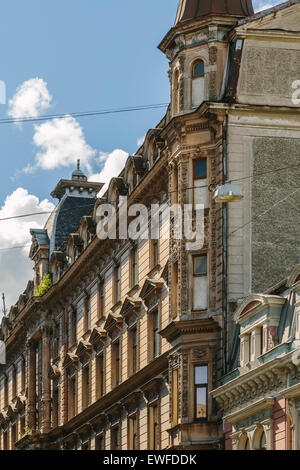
(165, 192)
(84, 113)
(263, 213)
(154, 194)
(232, 233)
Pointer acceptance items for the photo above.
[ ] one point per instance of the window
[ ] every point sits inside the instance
(133, 433)
(100, 442)
(175, 397)
(72, 330)
(116, 371)
(86, 386)
(198, 83)
(22, 424)
(175, 186)
(200, 283)
(198, 69)
(176, 92)
(100, 375)
(115, 438)
(134, 267)
(200, 169)
(101, 300)
(87, 314)
(5, 391)
(13, 436)
(117, 284)
(55, 405)
(200, 194)
(133, 350)
(55, 344)
(154, 443)
(175, 290)
(154, 340)
(201, 392)
(71, 396)
(14, 382)
(23, 374)
(5, 441)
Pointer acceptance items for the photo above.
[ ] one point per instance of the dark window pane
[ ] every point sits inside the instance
(200, 265)
(198, 70)
(200, 168)
(201, 375)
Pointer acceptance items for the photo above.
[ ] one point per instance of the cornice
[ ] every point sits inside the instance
(249, 410)
(179, 328)
(267, 378)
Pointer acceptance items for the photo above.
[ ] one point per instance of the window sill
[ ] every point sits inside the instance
(116, 306)
(133, 290)
(154, 270)
(101, 320)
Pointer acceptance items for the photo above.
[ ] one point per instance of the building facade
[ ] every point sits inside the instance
(130, 345)
(259, 399)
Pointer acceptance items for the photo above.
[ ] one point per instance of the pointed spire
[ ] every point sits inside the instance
(189, 10)
(78, 164)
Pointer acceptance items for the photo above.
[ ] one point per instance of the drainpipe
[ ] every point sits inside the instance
(225, 245)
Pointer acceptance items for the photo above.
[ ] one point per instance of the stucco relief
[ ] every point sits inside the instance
(275, 214)
(269, 71)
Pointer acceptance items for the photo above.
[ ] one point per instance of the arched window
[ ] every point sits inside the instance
(198, 69)
(198, 77)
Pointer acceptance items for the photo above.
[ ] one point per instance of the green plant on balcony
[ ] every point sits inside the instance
(44, 286)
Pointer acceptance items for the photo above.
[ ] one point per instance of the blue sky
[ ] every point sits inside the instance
(92, 54)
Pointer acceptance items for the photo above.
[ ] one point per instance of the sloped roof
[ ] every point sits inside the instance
(190, 10)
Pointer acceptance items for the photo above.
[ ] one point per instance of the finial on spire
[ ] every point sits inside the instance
(78, 164)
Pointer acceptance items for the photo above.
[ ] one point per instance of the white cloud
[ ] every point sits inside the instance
(15, 266)
(265, 5)
(60, 143)
(114, 164)
(31, 99)
(140, 141)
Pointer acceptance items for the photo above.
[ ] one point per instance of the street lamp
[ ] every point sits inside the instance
(228, 192)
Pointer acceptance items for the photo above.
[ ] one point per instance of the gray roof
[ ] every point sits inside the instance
(68, 216)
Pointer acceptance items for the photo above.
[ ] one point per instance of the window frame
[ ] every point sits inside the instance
(117, 363)
(114, 429)
(100, 375)
(195, 161)
(194, 65)
(101, 300)
(86, 385)
(200, 386)
(133, 432)
(117, 284)
(134, 267)
(87, 313)
(154, 431)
